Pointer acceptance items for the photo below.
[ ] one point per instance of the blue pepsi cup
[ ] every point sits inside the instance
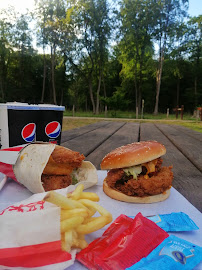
(49, 124)
(18, 123)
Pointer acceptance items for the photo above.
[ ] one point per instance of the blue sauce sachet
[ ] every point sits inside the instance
(174, 222)
(172, 253)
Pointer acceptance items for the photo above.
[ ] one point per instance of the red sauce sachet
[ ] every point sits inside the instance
(123, 244)
(132, 245)
(88, 255)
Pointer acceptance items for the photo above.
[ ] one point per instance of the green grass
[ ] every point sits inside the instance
(71, 123)
(195, 125)
(127, 115)
(87, 118)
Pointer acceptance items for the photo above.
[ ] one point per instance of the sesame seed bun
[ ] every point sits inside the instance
(117, 195)
(133, 154)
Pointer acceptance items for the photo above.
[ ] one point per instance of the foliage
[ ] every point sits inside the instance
(97, 53)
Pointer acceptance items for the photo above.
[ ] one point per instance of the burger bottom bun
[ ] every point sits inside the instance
(117, 195)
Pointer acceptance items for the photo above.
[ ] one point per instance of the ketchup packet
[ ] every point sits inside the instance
(172, 253)
(129, 244)
(174, 222)
(88, 255)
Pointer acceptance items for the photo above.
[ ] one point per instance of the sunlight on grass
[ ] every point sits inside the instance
(71, 122)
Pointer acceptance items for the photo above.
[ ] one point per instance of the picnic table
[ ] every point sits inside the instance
(96, 140)
(183, 149)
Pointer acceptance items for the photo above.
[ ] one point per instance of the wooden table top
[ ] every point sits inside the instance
(183, 145)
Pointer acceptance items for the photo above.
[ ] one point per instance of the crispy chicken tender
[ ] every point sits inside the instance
(156, 183)
(62, 161)
(65, 155)
(146, 187)
(57, 173)
(52, 182)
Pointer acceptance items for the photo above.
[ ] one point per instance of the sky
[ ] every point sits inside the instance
(21, 6)
(195, 6)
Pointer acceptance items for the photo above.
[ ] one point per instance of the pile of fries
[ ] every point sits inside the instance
(77, 211)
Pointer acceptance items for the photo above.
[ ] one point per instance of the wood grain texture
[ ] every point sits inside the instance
(189, 146)
(192, 133)
(88, 142)
(76, 132)
(187, 178)
(128, 133)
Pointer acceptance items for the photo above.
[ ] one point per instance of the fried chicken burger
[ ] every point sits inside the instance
(135, 173)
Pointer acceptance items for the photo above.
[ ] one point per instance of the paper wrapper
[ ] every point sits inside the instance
(31, 162)
(30, 235)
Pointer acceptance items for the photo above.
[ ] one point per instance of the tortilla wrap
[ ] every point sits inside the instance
(32, 161)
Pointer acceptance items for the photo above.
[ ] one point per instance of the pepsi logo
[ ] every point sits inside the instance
(28, 132)
(53, 129)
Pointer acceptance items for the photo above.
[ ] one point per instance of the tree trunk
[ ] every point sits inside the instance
(104, 86)
(2, 90)
(86, 104)
(136, 98)
(91, 94)
(2, 76)
(197, 75)
(53, 73)
(140, 82)
(162, 46)
(44, 78)
(64, 77)
(136, 84)
(61, 98)
(158, 78)
(178, 91)
(158, 85)
(98, 94)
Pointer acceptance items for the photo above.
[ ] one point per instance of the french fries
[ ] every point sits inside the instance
(59, 200)
(77, 216)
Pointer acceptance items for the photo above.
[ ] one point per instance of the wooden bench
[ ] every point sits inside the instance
(177, 110)
(200, 112)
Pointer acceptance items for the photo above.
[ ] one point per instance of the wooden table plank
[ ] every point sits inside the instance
(187, 178)
(128, 133)
(76, 132)
(88, 142)
(187, 144)
(192, 133)
(100, 138)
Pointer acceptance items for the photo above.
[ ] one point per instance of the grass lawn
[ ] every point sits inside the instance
(70, 123)
(82, 119)
(128, 115)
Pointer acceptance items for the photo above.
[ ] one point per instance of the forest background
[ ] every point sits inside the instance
(98, 54)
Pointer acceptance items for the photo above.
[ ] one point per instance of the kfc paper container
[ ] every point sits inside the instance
(25, 164)
(30, 236)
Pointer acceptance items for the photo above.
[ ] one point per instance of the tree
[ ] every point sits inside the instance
(50, 16)
(136, 45)
(168, 14)
(5, 48)
(41, 15)
(194, 46)
(92, 27)
(22, 41)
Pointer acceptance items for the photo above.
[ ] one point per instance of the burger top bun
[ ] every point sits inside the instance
(132, 154)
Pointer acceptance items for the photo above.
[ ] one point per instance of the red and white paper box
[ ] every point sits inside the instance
(30, 236)
(25, 164)
(8, 158)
